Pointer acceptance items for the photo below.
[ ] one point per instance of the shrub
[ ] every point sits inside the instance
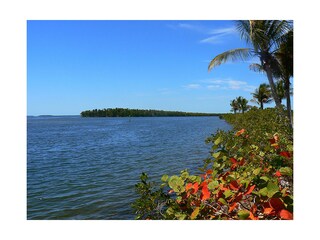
(248, 176)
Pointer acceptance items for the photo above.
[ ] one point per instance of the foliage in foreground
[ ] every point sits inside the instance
(248, 176)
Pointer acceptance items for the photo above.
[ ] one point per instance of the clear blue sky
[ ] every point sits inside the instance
(81, 65)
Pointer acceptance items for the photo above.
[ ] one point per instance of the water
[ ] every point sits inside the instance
(86, 168)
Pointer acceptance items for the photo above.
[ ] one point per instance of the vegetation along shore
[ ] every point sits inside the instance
(249, 174)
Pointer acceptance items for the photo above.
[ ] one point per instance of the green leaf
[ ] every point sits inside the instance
(164, 178)
(195, 213)
(265, 178)
(272, 189)
(212, 185)
(257, 171)
(228, 193)
(192, 178)
(290, 148)
(180, 216)
(222, 201)
(184, 175)
(216, 154)
(217, 141)
(286, 171)
(170, 211)
(173, 181)
(263, 191)
(243, 214)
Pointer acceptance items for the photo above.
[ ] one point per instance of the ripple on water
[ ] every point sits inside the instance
(86, 168)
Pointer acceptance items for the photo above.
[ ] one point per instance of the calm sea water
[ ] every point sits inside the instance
(86, 168)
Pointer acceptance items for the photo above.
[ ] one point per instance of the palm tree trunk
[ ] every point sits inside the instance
(289, 113)
(272, 86)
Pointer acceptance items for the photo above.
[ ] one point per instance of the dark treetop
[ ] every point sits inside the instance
(125, 112)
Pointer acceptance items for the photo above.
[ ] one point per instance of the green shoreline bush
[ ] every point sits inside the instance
(248, 176)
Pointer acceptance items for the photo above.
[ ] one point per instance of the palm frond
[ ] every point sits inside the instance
(233, 55)
(278, 31)
(244, 29)
(256, 68)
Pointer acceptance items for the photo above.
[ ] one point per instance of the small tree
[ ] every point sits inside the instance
(262, 95)
(243, 104)
(234, 106)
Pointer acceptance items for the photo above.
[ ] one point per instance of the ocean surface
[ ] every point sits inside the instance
(86, 168)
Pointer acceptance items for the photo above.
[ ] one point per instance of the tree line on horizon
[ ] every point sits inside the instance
(126, 112)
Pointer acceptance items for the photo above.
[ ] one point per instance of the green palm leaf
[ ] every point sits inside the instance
(233, 55)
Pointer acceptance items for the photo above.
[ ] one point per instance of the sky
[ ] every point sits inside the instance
(80, 65)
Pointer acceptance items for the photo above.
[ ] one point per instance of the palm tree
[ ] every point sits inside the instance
(284, 56)
(234, 106)
(262, 95)
(265, 37)
(242, 103)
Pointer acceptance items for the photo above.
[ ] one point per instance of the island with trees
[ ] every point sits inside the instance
(126, 112)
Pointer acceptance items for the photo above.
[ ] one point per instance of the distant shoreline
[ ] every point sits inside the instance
(126, 112)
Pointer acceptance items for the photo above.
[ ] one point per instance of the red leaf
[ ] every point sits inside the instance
(233, 206)
(205, 194)
(267, 211)
(249, 190)
(252, 217)
(188, 186)
(277, 174)
(272, 141)
(223, 188)
(240, 132)
(254, 208)
(276, 204)
(233, 160)
(195, 187)
(234, 185)
(241, 162)
(286, 215)
(239, 197)
(209, 171)
(204, 184)
(285, 154)
(224, 176)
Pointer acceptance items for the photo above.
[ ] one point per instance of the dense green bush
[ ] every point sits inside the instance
(248, 176)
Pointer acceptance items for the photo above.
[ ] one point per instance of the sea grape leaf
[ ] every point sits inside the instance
(243, 214)
(216, 154)
(212, 185)
(164, 178)
(276, 204)
(180, 216)
(227, 193)
(170, 211)
(265, 178)
(257, 171)
(250, 189)
(286, 171)
(263, 191)
(195, 213)
(184, 175)
(172, 180)
(205, 193)
(286, 215)
(272, 189)
(221, 200)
